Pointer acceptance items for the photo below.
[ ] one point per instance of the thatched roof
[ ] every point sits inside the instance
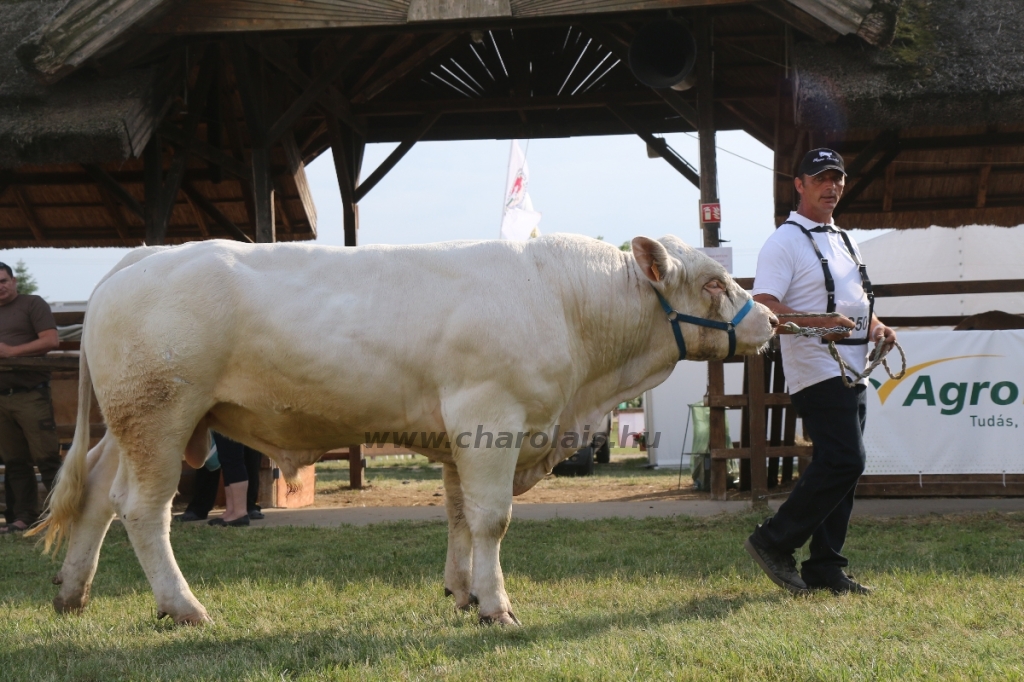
(952, 63)
(85, 118)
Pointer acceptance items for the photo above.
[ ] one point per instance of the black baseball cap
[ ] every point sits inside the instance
(819, 160)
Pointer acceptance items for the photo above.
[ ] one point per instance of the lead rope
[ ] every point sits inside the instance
(876, 358)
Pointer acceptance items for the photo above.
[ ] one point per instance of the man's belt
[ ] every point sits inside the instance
(12, 391)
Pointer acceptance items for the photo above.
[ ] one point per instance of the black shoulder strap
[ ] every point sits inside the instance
(830, 284)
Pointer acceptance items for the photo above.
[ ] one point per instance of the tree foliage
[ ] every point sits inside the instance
(26, 282)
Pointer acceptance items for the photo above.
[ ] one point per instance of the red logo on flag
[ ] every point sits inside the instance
(711, 213)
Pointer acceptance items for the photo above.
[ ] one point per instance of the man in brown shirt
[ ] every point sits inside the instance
(28, 433)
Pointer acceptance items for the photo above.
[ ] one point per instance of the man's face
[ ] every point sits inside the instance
(821, 192)
(8, 288)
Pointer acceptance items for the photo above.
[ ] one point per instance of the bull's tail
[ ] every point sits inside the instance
(64, 504)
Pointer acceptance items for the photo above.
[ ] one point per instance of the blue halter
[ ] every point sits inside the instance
(676, 317)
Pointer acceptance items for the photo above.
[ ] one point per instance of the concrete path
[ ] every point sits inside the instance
(361, 516)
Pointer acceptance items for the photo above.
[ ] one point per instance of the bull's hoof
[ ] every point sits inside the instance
(448, 593)
(69, 605)
(505, 618)
(199, 618)
(194, 618)
(57, 579)
(469, 605)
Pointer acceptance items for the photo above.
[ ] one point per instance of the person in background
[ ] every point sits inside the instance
(240, 465)
(28, 432)
(811, 266)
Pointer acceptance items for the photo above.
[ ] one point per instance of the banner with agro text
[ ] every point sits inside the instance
(958, 410)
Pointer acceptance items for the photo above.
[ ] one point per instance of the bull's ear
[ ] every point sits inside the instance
(652, 258)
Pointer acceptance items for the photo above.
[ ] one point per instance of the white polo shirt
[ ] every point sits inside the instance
(789, 270)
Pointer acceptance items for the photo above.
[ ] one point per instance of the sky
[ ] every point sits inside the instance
(597, 186)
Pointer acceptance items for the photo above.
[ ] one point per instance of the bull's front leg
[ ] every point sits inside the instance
(458, 567)
(486, 475)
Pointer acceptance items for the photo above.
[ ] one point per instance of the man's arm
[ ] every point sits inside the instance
(779, 308)
(47, 341)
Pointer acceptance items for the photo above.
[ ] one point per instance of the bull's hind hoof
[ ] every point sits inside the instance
(507, 618)
(70, 605)
(193, 619)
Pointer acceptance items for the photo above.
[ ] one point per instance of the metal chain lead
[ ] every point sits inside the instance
(876, 358)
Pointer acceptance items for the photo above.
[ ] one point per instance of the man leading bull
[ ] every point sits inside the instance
(810, 265)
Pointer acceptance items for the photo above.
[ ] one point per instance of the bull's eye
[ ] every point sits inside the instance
(714, 287)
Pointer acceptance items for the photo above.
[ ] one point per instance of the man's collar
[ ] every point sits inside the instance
(809, 224)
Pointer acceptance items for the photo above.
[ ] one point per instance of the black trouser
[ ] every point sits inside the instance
(238, 463)
(820, 505)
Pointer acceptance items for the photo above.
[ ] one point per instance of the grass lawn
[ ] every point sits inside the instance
(648, 599)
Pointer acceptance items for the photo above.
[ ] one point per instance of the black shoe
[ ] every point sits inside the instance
(240, 521)
(779, 566)
(841, 584)
(256, 515)
(189, 516)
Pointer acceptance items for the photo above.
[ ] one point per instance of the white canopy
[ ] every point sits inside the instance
(944, 254)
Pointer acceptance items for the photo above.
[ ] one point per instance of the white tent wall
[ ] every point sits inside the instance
(666, 408)
(945, 254)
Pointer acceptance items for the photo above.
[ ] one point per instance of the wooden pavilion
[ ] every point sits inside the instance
(125, 122)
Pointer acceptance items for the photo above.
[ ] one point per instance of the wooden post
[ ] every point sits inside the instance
(706, 119)
(719, 470)
(758, 435)
(253, 98)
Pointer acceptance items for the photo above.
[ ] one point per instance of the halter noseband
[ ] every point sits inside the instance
(675, 317)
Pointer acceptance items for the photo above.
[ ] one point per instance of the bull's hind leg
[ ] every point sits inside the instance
(459, 566)
(89, 529)
(142, 492)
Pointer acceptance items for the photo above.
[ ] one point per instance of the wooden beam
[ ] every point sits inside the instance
(983, 175)
(890, 187)
(706, 118)
(378, 174)
(81, 30)
(660, 146)
(405, 66)
(30, 216)
(312, 92)
(752, 126)
(347, 159)
(277, 54)
(851, 195)
(114, 188)
(200, 220)
(798, 19)
(884, 140)
(939, 143)
(207, 152)
(196, 197)
(197, 107)
(990, 286)
(297, 169)
(116, 217)
(253, 104)
(152, 161)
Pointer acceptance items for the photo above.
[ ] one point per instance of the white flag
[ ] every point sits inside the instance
(518, 219)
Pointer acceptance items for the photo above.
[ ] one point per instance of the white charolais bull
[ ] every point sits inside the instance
(296, 349)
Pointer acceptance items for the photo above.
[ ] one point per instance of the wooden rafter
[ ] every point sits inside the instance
(116, 217)
(207, 206)
(660, 146)
(378, 174)
(404, 67)
(200, 220)
(983, 175)
(30, 215)
(115, 189)
(206, 151)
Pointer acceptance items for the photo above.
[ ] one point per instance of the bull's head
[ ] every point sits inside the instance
(693, 285)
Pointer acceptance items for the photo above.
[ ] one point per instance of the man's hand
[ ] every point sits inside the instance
(6, 351)
(840, 321)
(885, 335)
